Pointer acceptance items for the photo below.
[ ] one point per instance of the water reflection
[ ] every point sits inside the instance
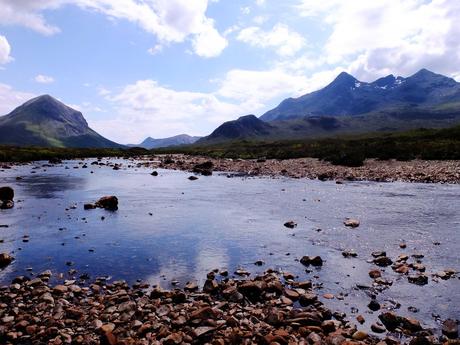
(49, 186)
(169, 228)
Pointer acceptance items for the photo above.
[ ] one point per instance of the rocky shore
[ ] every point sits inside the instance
(269, 309)
(311, 168)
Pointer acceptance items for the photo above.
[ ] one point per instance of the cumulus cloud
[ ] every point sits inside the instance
(378, 37)
(286, 41)
(44, 79)
(5, 51)
(168, 20)
(146, 108)
(10, 98)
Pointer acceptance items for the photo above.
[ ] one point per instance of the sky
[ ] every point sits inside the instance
(138, 68)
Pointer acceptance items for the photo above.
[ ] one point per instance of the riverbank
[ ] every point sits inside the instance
(311, 168)
(270, 309)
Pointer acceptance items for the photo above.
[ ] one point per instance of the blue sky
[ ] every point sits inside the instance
(164, 67)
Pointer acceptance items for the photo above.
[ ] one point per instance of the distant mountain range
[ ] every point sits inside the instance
(181, 139)
(350, 106)
(45, 121)
(345, 106)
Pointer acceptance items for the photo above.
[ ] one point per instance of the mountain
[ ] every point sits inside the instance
(349, 106)
(244, 127)
(45, 121)
(348, 96)
(151, 143)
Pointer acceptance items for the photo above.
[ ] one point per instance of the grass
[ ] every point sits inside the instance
(429, 144)
(27, 154)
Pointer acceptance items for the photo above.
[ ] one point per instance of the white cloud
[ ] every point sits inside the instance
(146, 108)
(44, 79)
(209, 43)
(157, 48)
(284, 40)
(5, 51)
(378, 37)
(10, 98)
(168, 20)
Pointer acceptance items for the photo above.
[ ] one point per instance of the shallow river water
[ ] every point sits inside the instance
(170, 228)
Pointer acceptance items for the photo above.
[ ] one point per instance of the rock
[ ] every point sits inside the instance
(5, 259)
(410, 324)
(450, 329)
(200, 331)
(6, 193)
(203, 314)
(307, 299)
(420, 279)
(108, 202)
(359, 335)
(382, 261)
(252, 289)
(360, 319)
(390, 320)
(89, 206)
(375, 274)
(204, 169)
(350, 222)
(311, 260)
(349, 254)
(210, 286)
(375, 327)
(192, 178)
(6, 205)
(191, 286)
(373, 305)
(60, 289)
(378, 254)
(154, 173)
(290, 224)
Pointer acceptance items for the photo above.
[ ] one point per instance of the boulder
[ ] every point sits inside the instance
(108, 202)
(204, 169)
(5, 259)
(6, 193)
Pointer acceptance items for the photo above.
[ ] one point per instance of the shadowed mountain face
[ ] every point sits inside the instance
(348, 96)
(244, 127)
(151, 143)
(45, 121)
(349, 106)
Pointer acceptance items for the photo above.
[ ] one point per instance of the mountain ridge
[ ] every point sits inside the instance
(176, 140)
(350, 106)
(46, 121)
(346, 95)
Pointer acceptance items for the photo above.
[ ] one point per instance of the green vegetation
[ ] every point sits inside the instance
(430, 144)
(26, 154)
